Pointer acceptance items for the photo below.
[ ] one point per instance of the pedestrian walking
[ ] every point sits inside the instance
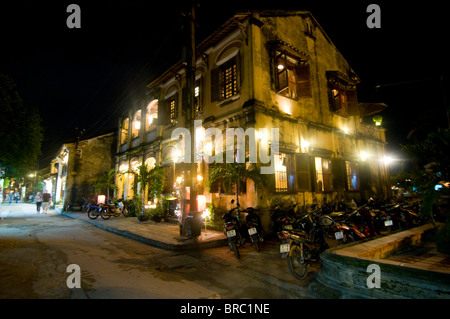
(16, 196)
(46, 200)
(39, 200)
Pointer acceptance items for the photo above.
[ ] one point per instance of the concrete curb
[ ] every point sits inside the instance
(151, 241)
(344, 272)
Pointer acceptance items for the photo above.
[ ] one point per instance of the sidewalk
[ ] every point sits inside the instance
(21, 210)
(164, 235)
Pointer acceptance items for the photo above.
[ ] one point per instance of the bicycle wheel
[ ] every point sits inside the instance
(297, 266)
(105, 214)
(93, 213)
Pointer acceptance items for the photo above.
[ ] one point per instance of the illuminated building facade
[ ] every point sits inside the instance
(264, 70)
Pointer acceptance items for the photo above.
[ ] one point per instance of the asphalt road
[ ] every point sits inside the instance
(36, 251)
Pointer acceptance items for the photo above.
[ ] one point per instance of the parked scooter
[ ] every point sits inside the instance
(254, 227)
(283, 219)
(93, 211)
(304, 246)
(233, 230)
(113, 209)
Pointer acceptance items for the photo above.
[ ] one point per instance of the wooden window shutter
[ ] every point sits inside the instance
(270, 180)
(163, 112)
(215, 85)
(352, 103)
(303, 74)
(290, 172)
(302, 174)
(365, 176)
(338, 171)
(312, 173)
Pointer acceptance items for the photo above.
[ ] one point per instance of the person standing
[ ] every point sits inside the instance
(10, 196)
(17, 196)
(46, 200)
(38, 199)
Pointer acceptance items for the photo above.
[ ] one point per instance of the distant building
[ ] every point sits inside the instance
(77, 166)
(265, 69)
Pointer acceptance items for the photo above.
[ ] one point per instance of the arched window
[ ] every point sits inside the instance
(151, 114)
(124, 129)
(136, 125)
(150, 162)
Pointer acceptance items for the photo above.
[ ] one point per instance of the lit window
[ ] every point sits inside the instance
(124, 131)
(173, 110)
(324, 178)
(280, 173)
(197, 101)
(152, 113)
(352, 173)
(136, 124)
(229, 80)
(292, 77)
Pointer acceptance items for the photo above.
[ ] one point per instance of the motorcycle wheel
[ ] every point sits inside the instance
(126, 212)
(93, 213)
(104, 214)
(255, 241)
(235, 250)
(297, 268)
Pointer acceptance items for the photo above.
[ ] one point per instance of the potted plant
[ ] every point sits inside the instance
(156, 214)
(145, 216)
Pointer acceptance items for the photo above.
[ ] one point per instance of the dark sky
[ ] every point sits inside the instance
(84, 77)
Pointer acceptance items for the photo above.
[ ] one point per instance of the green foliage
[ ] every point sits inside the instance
(105, 182)
(233, 174)
(146, 179)
(432, 156)
(20, 131)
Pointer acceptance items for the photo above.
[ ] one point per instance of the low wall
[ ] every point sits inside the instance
(345, 273)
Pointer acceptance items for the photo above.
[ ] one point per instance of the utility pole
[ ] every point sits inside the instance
(191, 178)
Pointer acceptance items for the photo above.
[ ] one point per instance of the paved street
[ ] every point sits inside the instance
(35, 251)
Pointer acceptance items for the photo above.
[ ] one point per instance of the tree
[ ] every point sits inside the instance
(105, 181)
(432, 176)
(20, 131)
(233, 174)
(148, 181)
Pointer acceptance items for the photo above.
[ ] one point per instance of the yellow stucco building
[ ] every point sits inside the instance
(264, 70)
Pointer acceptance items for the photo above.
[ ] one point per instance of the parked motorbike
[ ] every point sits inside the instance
(110, 209)
(304, 245)
(283, 219)
(93, 211)
(233, 230)
(254, 227)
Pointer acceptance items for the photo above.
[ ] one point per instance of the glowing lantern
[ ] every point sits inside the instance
(201, 203)
(101, 199)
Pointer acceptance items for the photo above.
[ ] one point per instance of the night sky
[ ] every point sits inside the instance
(83, 78)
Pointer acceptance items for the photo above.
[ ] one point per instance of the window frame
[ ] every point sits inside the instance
(151, 109)
(219, 81)
(173, 109)
(228, 79)
(293, 79)
(352, 170)
(325, 174)
(285, 179)
(135, 131)
(124, 131)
